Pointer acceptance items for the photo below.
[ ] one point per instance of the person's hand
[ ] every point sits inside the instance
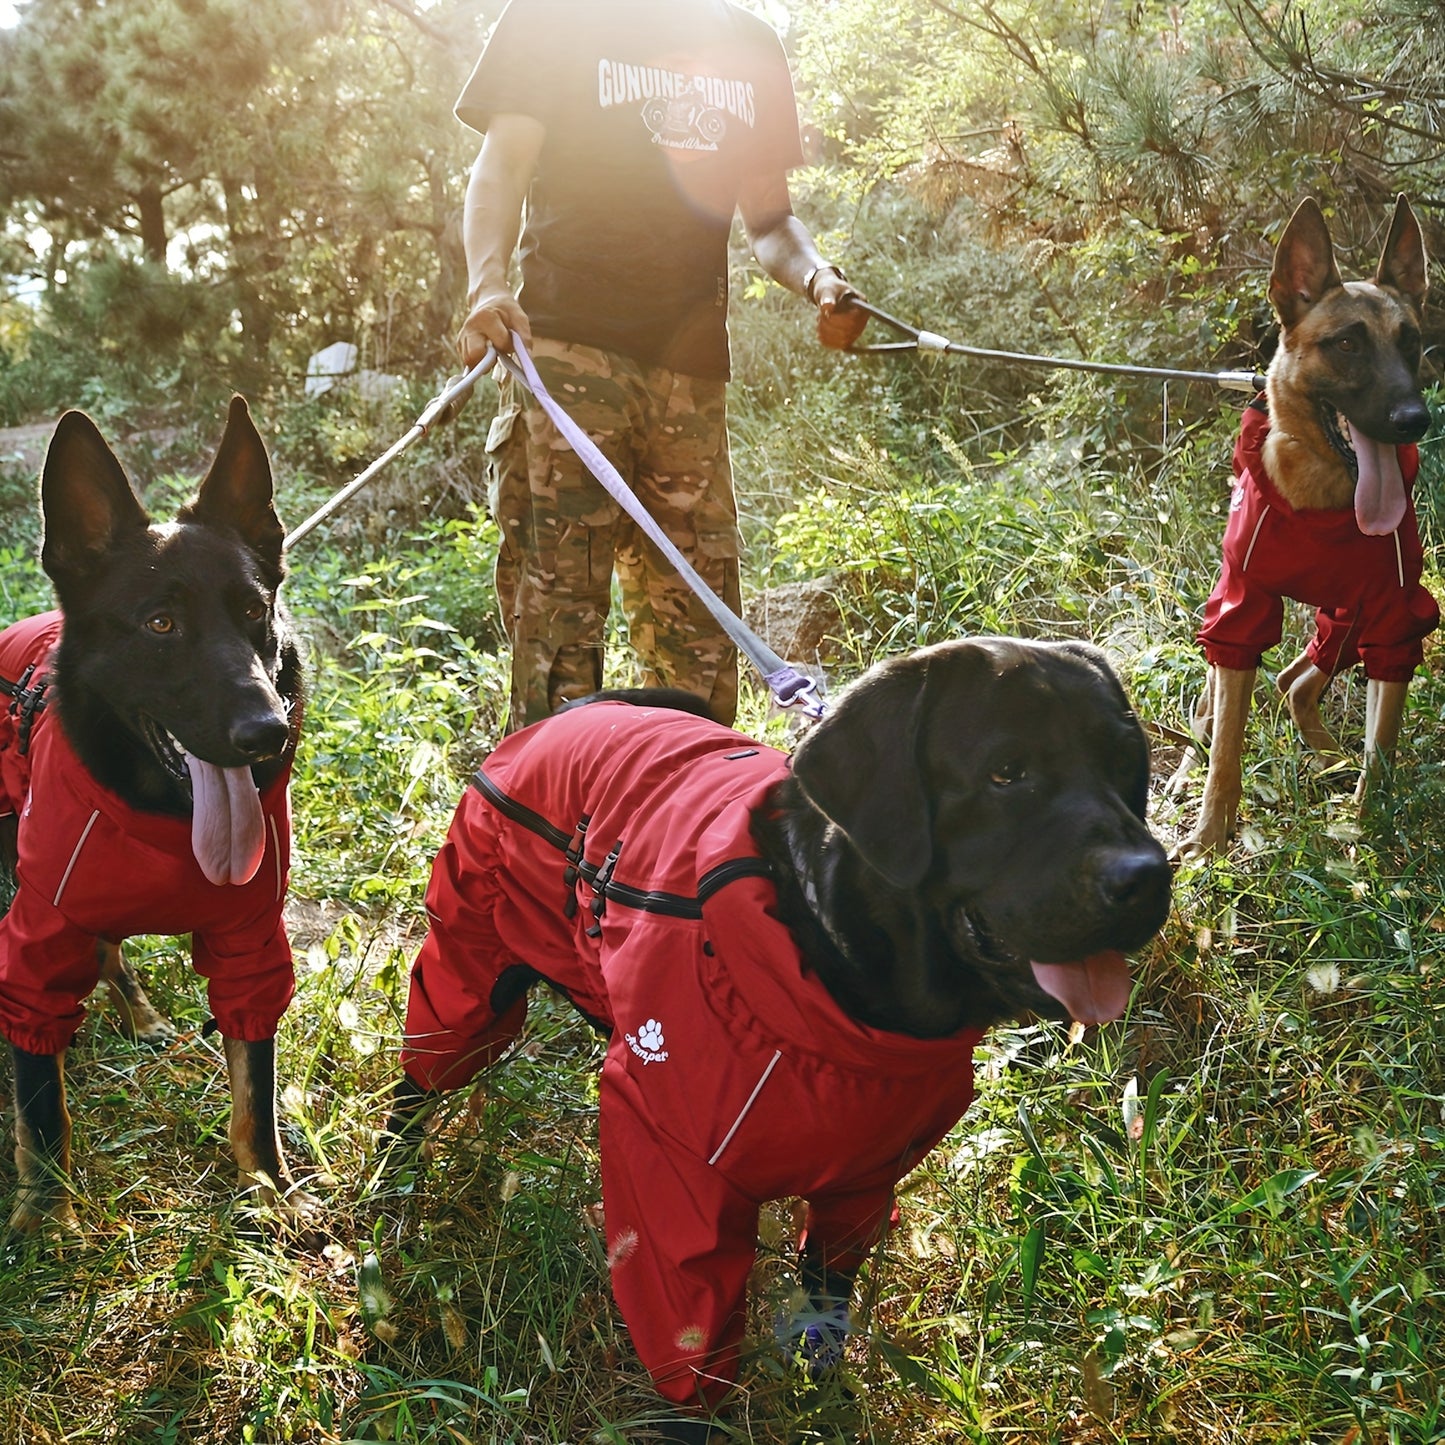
(491, 321)
(839, 323)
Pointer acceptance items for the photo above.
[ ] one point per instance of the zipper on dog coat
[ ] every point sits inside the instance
(600, 876)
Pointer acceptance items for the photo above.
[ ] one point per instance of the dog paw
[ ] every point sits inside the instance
(814, 1338)
(284, 1211)
(32, 1217)
(1200, 844)
(690, 1432)
(156, 1033)
(1177, 784)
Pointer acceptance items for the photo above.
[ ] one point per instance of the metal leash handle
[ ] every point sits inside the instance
(439, 410)
(921, 340)
(790, 687)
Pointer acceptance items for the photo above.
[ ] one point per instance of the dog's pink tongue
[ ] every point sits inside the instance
(1093, 990)
(228, 834)
(1380, 489)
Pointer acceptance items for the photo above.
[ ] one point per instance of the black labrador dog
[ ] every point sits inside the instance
(794, 958)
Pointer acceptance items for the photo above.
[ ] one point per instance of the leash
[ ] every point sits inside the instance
(917, 339)
(790, 687)
(443, 407)
(440, 409)
(27, 701)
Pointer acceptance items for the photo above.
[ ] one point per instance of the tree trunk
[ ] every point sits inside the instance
(247, 248)
(152, 223)
(445, 296)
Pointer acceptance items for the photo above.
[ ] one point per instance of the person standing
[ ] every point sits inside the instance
(619, 139)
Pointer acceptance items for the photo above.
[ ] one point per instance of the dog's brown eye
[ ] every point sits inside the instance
(160, 624)
(1346, 343)
(255, 612)
(1008, 773)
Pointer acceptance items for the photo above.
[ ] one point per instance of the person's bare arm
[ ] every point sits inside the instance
(491, 223)
(787, 252)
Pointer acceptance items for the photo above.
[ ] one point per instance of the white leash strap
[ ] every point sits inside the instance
(789, 687)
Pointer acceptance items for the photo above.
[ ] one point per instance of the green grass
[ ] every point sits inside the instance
(1216, 1220)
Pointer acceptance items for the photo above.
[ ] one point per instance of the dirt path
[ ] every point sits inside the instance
(22, 448)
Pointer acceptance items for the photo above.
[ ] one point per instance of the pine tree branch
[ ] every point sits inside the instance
(402, 8)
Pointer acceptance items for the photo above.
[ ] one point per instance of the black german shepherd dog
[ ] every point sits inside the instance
(145, 757)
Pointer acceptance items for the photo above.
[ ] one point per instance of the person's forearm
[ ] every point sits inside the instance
(785, 249)
(787, 252)
(491, 223)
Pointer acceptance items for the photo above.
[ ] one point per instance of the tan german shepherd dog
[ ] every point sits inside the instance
(1343, 403)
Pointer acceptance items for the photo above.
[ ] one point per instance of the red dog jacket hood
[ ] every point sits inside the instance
(609, 848)
(92, 867)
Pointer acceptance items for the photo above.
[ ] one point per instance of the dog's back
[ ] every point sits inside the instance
(575, 834)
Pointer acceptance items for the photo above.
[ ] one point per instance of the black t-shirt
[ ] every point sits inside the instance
(655, 111)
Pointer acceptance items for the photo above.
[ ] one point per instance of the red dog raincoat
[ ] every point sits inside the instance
(92, 867)
(609, 849)
(1370, 604)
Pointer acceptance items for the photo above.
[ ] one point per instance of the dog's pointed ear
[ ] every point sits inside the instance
(1304, 264)
(85, 499)
(1402, 262)
(238, 490)
(860, 768)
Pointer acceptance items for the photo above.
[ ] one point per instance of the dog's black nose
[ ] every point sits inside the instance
(1137, 881)
(1411, 420)
(259, 738)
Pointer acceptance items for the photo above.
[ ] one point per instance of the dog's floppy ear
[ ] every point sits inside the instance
(238, 491)
(1304, 264)
(1402, 262)
(85, 498)
(860, 768)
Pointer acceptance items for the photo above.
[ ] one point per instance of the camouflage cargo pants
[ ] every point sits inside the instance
(563, 536)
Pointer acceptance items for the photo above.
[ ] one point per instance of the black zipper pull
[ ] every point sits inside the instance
(599, 890)
(573, 855)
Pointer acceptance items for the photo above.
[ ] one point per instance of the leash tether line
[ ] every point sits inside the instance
(920, 340)
(440, 408)
(790, 687)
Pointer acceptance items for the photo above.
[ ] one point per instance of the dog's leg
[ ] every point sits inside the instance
(1201, 727)
(1231, 690)
(816, 1334)
(139, 1019)
(403, 1141)
(42, 1143)
(691, 1432)
(254, 1139)
(1302, 685)
(1384, 712)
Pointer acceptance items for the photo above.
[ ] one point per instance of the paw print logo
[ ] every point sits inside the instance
(647, 1043)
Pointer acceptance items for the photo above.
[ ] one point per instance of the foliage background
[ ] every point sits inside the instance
(1216, 1220)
